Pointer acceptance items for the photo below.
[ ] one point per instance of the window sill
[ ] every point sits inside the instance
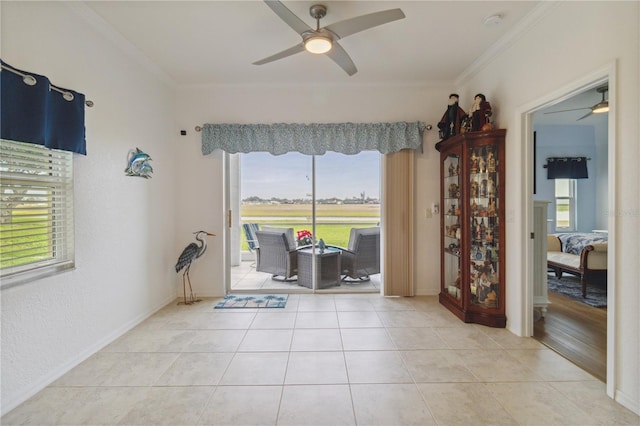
(24, 277)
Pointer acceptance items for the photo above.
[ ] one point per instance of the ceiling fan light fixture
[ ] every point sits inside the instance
(601, 107)
(318, 44)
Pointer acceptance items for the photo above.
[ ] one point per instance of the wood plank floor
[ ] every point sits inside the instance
(576, 331)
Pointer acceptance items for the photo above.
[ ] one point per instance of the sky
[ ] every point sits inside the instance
(289, 175)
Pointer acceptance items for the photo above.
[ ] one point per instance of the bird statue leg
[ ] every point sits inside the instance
(192, 298)
(184, 286)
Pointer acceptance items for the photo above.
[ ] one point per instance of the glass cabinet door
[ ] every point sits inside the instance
(484, 226)
(452, 230)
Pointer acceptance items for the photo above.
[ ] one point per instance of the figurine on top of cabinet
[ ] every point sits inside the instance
(449, 124)
(480, 113)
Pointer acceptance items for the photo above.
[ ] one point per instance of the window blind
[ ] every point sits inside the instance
(36, 211)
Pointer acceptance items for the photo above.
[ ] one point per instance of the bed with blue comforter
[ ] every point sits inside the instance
(574, 242)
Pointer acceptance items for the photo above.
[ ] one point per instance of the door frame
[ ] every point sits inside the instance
(524, 129)
(232, 176)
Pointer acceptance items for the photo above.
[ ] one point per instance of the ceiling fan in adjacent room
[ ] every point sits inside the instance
(325, 40)
(600, 107)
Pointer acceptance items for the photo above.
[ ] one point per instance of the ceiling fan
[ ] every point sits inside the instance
(325, 40)
(600, 107)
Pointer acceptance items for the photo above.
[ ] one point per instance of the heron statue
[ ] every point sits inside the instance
(189, 254)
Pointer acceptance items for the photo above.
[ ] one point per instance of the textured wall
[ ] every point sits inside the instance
(125, 240)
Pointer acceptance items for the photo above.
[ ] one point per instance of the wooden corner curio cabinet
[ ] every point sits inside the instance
(472, 226)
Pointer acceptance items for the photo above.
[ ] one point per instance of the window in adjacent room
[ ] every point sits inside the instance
(36, 215)
(565, 195)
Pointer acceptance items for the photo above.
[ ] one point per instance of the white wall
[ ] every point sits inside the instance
(125, 238)
(563, 47)
(302, 104)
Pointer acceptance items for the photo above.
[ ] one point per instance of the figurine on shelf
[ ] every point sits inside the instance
(449, 124)
(478, 230)
(480, 113)
(491, 187)
(474, 162)
(482, 165)
(474, 189)
(492, 207)
(454, 190)
(489, 237)
(491, 162)
(452, 169)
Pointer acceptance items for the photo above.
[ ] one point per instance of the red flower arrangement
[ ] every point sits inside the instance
(304, 238)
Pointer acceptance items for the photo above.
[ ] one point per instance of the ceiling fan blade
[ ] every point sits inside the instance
(364, 22)
(585, 116)
(287, 52)
(288, 16)
(566, 110)
(341, 57)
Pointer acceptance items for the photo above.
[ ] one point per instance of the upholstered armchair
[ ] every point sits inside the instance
(362, 258)
(276, 253)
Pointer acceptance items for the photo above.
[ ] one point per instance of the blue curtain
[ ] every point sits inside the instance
(567, 168)
(35, 111)
(312, 139)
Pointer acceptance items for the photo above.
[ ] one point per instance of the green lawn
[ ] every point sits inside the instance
(334, 232)
(24, 241)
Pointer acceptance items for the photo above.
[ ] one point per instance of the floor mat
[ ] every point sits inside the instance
(240, 301)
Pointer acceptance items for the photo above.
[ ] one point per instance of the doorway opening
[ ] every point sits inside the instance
(560, 127)
(317, 202)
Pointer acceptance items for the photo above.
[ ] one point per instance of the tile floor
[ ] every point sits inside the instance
(244, 277)
(323, 360)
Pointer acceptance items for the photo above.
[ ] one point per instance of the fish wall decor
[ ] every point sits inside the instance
(138, 164)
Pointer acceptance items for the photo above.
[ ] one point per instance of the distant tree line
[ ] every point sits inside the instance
(362, 199)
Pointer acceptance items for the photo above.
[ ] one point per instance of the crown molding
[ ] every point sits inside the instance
(105, 29)
(543, 9)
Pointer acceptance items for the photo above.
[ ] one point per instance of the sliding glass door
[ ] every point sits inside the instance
(310, 199)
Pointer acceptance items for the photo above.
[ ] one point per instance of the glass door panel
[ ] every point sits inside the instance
(484, 226)
(347, 197)
(453, 231)
(275, 192)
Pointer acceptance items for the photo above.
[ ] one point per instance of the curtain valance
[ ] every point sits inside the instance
(312, 139)
(35, 111)
(567, 168)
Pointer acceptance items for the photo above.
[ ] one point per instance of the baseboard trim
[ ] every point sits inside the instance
(627, 402)
(61, 370)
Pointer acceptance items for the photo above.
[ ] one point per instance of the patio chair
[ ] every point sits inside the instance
(362, 258)
(276, 253)
(250, 235)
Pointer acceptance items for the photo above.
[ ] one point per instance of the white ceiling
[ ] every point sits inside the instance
(215, 42)
(573, 109)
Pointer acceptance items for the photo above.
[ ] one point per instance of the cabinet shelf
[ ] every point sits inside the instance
(472, 272)
(451, 252)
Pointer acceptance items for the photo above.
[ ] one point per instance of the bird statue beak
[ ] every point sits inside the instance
(210, 234)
